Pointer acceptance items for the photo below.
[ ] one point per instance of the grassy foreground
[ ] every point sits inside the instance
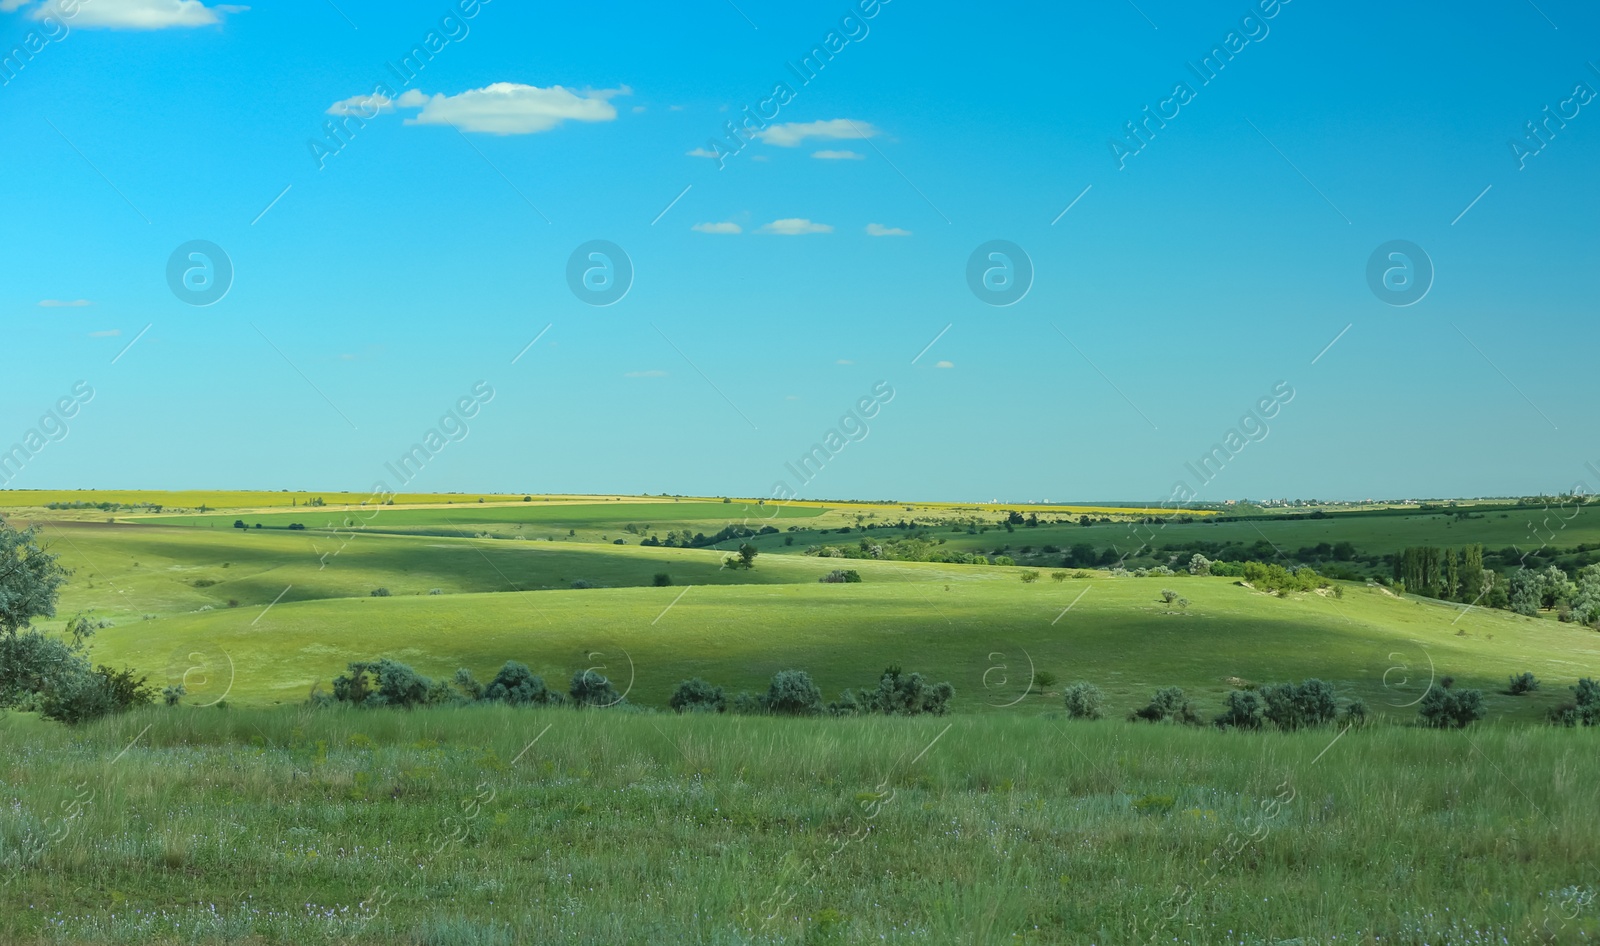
(558, 826)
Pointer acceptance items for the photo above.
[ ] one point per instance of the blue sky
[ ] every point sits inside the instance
(424, 254)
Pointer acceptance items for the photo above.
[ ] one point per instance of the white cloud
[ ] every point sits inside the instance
(653, 373)
(878, 229)
(945, 364)
(795, 226)
(134, 14)
(362, 106)
(725, 227)
(112, 333)
(791, 134)
(509, 108)
(59, 304)
(837, 155)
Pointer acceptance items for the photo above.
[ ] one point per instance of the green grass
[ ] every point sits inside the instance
(497, 826)
(976, 627)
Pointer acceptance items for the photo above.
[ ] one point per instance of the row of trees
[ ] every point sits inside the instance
(1445, 573)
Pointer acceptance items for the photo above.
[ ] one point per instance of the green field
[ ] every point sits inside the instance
(288, 609)
(491, 827)
(245, 815)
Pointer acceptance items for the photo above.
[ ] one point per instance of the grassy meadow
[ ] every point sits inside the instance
(243, 815)
(499, 826)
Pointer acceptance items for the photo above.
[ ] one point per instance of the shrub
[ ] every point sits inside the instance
(697, 696)
(662, 580)
(1168, 704)
(1292, 706)
(1523, 683)
(380, 593)
(1030, 576)
(791, 693)
(589, 688)
(1445, 708)
(85, 696)
(517, 685)
(1084, 700)
(1242, 710)
(898, 694)
(1584, 709)
(383, 682)
(841, 576)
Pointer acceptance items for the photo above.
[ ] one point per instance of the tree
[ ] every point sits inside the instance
(1525, 591)
(591, 689)
(697, 696)
(791, 693)
(1472, 585)
(30, 579)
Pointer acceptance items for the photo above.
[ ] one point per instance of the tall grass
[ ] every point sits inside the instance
(489, 825)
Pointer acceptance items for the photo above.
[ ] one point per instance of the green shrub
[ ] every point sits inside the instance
(1084, 700)
(516, 685)
(1446, 708)
(1523, 683)
(1292, 706)
(1168, 704)
(898, 694)
(383, 682)
(697, 696)
(591, 689)
(1242, 710)
(1583, 710)
(83, 697)
(791, 693)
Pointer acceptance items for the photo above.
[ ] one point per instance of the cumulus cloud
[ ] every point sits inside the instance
(795, 226)
(653, 373)
(509, 108)
(362, 106)
(724, 227)
(837, 155)
(60, 304)
(791, 134)
(134, 14)
(878, 229)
